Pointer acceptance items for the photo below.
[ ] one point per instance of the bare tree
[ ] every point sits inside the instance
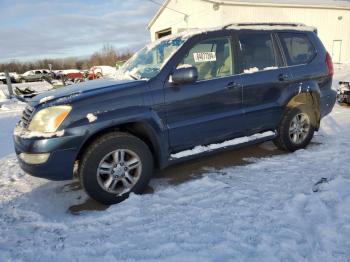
(108, 55)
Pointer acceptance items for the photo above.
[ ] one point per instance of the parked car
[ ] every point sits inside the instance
(3, 78)
(15, 77)
(343, 94)
(181, 97)
(70, 74)
(97, 72)
(35, 76)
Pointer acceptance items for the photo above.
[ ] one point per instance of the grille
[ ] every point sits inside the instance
(27, 116)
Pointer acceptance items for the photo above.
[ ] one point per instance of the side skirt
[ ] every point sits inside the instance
(208, 150)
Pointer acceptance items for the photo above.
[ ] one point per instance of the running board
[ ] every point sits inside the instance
(236, 143)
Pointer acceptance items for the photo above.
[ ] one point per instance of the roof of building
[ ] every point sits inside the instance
(325, 4)
(316, 3)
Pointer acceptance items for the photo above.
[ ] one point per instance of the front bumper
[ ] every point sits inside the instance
(63, 152)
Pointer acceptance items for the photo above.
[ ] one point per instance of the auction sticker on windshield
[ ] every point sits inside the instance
(204, 57)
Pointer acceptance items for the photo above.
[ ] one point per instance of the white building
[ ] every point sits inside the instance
(330, 17)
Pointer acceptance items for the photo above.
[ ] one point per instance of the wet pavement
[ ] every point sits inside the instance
(191, 170)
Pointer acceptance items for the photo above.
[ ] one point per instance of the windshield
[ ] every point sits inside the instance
(147, 62)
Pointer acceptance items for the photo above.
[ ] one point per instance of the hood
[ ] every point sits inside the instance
(85, 88)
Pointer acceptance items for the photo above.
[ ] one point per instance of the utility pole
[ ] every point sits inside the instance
(9, 84)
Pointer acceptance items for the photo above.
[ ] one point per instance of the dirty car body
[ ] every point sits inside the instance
(171, 115)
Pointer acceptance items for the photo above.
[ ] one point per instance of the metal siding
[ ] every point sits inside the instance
(202, 15)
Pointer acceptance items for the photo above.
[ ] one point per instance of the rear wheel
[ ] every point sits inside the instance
(115, 165)
(296, 129)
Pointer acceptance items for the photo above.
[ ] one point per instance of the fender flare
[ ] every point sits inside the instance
(304, 93)
(147, 126)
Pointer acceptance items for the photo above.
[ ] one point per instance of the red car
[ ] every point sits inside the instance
(71, 74)
(96, 72)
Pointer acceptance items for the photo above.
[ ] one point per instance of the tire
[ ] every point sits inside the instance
(292, 134)
(103, 175)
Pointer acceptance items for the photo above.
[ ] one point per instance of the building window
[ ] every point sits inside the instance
(163, 33)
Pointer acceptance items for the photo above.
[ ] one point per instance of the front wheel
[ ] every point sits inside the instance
(296, 129)
(115, 165)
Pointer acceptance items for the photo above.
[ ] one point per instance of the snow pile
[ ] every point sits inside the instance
(255, 69)
(184, 66)
(91, 117)
(233, 142)
(251, 70)
(265, 210)
(46, 99)
(10, 112)
(11, 106)
(24, 133)
(38, 87)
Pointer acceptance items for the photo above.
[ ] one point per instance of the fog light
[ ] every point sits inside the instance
(34, 159)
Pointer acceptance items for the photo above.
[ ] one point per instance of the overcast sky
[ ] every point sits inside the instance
(35, 29)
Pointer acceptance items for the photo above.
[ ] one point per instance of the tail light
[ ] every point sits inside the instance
(329, 63)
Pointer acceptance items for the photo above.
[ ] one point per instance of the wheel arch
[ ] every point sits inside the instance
(306, 93)
(139, 129)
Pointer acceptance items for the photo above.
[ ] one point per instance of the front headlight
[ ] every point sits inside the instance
(48, 120)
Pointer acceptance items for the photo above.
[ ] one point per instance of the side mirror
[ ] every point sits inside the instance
(186, 75)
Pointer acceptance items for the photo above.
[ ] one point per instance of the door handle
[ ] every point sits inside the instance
(283, 77)
(233, 85)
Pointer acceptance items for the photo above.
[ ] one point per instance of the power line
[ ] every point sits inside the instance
(164, 6)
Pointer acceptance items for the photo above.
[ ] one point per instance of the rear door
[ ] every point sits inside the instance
(210, 109)
(264, 77)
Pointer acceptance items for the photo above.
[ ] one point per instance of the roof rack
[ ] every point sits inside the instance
(264, 24)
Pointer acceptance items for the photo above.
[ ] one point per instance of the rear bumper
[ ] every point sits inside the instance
(327, 101)
(63, 152)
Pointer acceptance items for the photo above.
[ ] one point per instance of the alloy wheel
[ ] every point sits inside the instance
(299, 128)
(119, 171)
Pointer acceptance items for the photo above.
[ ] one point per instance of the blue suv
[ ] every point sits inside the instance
(181, 97)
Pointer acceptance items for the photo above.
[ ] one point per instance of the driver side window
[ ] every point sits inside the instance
(212, 58)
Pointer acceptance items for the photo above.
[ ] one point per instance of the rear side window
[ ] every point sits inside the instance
(257, 51)
(297, 47)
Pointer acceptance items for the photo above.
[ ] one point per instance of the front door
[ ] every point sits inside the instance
(208, 110)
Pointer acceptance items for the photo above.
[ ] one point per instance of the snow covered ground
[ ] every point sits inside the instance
(36, 86)
(263, 208)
